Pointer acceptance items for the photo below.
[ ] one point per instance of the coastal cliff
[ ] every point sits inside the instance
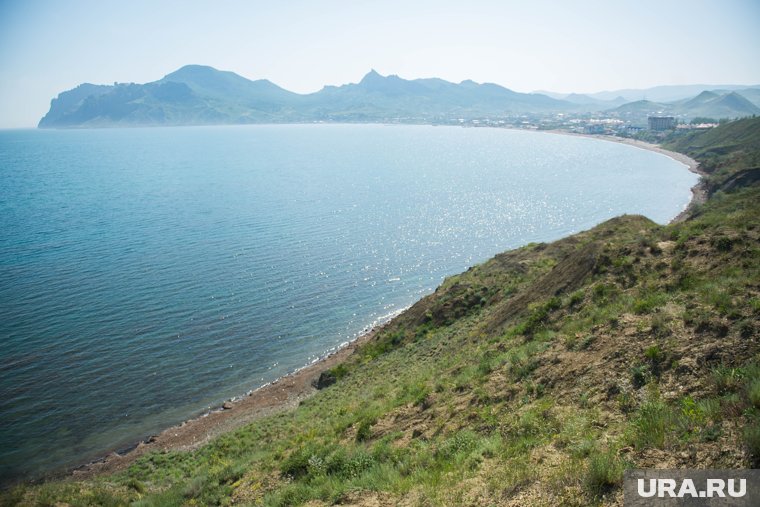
(535, 378)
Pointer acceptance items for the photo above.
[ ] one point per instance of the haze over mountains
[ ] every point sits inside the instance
(201, 95)
(666, 93)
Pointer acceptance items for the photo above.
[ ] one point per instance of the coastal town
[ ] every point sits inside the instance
(592, 123)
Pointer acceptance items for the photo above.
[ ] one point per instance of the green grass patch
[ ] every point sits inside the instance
(649, 302)
(605, 471)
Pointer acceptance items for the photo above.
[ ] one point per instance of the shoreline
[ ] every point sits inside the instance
(286, 392)
(698, 191)
(281, 394)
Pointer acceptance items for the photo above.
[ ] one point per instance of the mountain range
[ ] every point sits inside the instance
(665, 93)
(202, 95)
(706, 104)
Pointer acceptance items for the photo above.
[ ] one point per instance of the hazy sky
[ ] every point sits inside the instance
(564, 45)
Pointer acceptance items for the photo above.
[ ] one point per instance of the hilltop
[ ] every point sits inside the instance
(706, 104)
(535, 378)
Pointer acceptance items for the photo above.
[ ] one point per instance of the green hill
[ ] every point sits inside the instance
(729, 153)
(535, 378)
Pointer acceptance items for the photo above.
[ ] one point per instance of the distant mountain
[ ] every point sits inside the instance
(201, 95)
(667, 93)
(705, 104)
(63, 108)
(192, 95)
(198, 94)
(700, 100)
(586, 100)
(578, 98)
(709, 104)
(752, 94)
(642, 107)
(223, 85)
(391, 96)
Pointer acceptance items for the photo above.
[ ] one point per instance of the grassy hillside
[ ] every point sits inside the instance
(535, 378)
(728, 154)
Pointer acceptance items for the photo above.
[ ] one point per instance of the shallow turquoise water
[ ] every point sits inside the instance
(147, 274)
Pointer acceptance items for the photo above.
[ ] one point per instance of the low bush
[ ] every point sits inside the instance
(605, 471)
(651, 424)
(751, 438)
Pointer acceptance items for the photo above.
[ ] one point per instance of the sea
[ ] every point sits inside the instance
(149, 274)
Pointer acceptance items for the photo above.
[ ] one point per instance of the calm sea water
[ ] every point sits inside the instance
(147, 274)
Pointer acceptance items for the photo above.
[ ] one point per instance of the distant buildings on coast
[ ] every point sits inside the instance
(652, 127)
(660, 123)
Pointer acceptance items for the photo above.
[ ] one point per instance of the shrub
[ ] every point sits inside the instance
(364, 430)
(586, 342)
(753, 392)
(339, 371)
(300, 462)
(605, 471)
(136, 485)
(648, 303)
(334, 463)
(195, 487)
(686, 281)
(660, 326)
(536, 389)
(746, 328)
(603, 292)
(575, 299)
(384, 344)
(416, 392)
(523, 367)
(487, 364)
(555, 303)
(655, 357)
(751, 437)
(626, 401)
(358, 464)
(721, 300)
(462, 441)
(538, 317)
(722, 244)
(639, 376)
(651, 424)
(727, 379)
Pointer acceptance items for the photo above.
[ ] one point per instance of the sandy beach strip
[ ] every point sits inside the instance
(282, 394)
